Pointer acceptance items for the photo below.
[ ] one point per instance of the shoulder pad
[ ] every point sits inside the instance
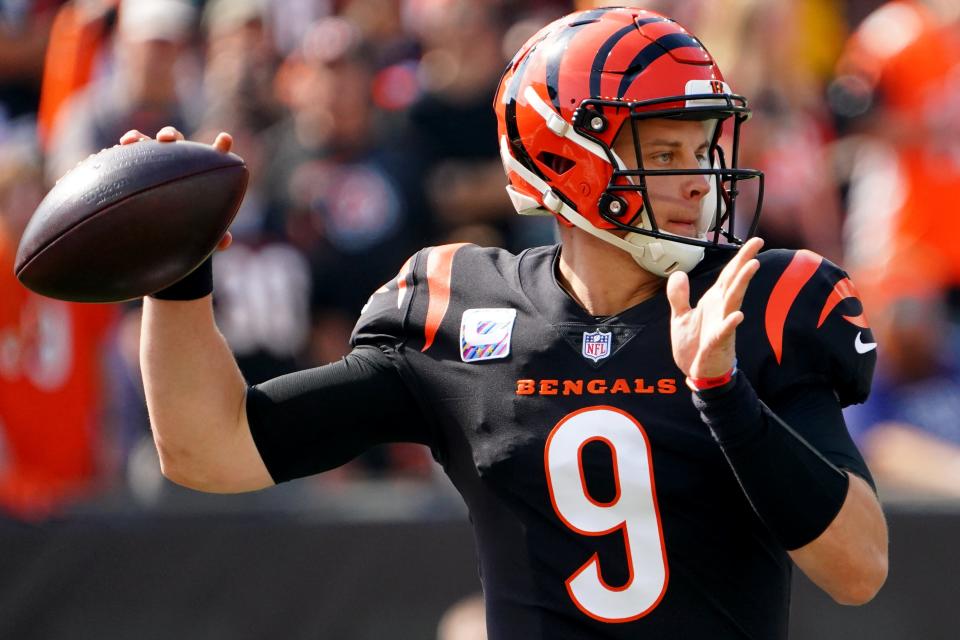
(412, 304)
(805, 323)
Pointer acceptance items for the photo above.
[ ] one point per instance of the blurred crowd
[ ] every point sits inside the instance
(368, 129)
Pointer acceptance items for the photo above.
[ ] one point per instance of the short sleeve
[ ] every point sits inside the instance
(385, 316)
(806, 326)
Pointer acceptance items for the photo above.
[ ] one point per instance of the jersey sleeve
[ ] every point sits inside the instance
(314, 420)
(384, 320)
(807, 326)
(410, 309)
(814, 413)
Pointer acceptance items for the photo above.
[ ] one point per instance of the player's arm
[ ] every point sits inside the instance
(194, 390)
(214, 433)
(196, 399)
(850, 577)
(827, 517)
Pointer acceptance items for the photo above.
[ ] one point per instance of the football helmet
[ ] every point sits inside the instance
(564, 98)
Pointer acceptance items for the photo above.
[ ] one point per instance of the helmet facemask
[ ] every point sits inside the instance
(567, 93)
(626, 202)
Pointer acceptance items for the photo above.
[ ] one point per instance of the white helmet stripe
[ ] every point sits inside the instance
(554, 203)
(560, 126)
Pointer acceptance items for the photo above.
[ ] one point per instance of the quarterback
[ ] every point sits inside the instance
(643, 420)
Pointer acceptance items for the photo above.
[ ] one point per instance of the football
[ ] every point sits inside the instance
(130, 220)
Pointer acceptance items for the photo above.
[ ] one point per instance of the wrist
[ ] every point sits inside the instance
(193, 286)
(703, 383)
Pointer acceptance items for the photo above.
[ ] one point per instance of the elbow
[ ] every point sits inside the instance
(177, 472)
(178, 475)
(181, 468)
(863, 585)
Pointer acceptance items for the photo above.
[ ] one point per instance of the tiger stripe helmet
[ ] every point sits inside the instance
(563, 100)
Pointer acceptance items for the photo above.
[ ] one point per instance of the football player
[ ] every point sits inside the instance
(554, 387)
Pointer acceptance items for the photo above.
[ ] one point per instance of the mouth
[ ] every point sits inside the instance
(680, 228)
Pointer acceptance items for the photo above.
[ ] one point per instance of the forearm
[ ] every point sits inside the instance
(195, 396)
(849, 559)
(802, 497)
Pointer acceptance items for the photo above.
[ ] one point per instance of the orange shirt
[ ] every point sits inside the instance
(50, 374)
(913, 61)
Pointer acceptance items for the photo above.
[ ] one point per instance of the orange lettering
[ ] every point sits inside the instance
(549, 387)
(525, 387)
(667, 385)
(620, 386)
(574, 387)
(597, 387)
(641, 387)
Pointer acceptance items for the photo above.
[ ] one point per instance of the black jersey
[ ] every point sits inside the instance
(601, 505)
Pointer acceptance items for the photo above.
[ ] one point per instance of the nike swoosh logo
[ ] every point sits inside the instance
(863, 347)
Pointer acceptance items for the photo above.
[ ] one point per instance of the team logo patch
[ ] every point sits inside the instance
(705, 87)
(485, 334)
(596, 344)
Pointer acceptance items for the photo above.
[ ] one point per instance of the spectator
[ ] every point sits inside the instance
(50, 402)
(78, 35)
(897, 88)
(351, 199)
(24, 28)
(452, 128)
(910, 425)
(140, 86)
(263, 282)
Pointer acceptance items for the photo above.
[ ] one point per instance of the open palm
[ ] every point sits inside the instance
(703, 337)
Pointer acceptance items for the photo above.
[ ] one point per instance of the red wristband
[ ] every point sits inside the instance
(702, 384)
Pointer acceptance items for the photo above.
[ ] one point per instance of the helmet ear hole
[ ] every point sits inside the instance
(557, 164)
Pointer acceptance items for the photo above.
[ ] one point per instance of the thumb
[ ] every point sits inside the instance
(678, 293)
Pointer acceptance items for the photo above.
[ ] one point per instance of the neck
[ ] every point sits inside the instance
(603, 279)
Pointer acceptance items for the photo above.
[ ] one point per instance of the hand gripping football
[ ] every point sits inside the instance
(130, 220)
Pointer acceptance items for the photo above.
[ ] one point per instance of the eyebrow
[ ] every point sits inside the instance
(663, 142)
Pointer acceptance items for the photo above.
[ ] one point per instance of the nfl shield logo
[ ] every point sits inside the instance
(596, 345)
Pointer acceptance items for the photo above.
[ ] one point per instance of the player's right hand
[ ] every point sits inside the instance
(223, 143)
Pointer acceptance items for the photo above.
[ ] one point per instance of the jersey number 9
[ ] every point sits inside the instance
(633, 509)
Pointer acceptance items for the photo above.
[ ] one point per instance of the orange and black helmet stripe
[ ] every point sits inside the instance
(596, 70)
(650, 53)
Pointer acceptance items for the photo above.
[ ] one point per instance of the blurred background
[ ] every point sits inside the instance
(369, 132)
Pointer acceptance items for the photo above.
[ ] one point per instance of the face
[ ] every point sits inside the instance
(670, 144)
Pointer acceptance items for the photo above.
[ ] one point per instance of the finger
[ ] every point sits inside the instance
(169, 134)
(727, 328)
(133, 136)
(735, 293)
(678, 293)
(748, 251)
(225, 241)
(224, 142)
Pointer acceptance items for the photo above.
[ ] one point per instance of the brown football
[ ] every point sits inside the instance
(130, 220)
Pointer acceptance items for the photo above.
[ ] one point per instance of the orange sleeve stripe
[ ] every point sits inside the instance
(402, 281)
(841, 291)
(785, 291)
(439, 272)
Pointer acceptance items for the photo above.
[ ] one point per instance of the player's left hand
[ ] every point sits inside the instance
(703, 337)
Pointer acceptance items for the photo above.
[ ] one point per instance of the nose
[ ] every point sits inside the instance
(695, 187)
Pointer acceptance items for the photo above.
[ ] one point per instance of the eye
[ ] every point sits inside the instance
(662, 157)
